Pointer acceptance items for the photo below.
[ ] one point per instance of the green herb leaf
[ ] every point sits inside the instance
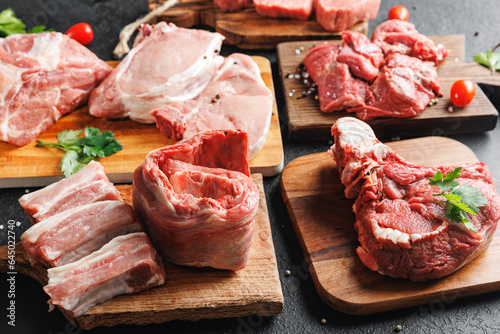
(460, 200)
(489, 59)
(81, 150)
(10, 24)
(38, 29)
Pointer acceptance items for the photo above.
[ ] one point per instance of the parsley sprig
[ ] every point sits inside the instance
(10, 24)
(82, 150)
(460, 199)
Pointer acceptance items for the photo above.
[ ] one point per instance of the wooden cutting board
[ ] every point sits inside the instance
(323, 221)
(246, 29)
(189, 293)
(31, 166)
(307, 122)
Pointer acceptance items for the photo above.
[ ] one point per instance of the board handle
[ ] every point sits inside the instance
(13, 258)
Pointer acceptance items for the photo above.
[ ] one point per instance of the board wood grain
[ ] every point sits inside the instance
(189, 293)
(246, 29)
(307, 122)
(323, 221)
(31, 166)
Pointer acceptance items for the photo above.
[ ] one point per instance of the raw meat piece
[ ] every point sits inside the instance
(166, 65)
(88, 185)
(294, 9)
(396, 36)
(363, 57)
(42, 77)
(404, 88)
(337, 88)
(236, 98)
(339, 15)
(232, 5)
(197, 200)
(126, 264)
(77, 232)
(402, 229)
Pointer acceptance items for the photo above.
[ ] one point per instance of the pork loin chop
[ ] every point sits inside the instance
(402, 228)
(166, 65)
(42, 77)
(236, 98)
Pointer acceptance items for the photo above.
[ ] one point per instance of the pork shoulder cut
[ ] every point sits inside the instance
(197, 200)
(236, 98)
(402, 228)
(42, 77)
(166, 65)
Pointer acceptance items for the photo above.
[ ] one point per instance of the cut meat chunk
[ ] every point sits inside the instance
(42, 77)
(300, 10)
(232, 5)
(77, 232)
(88, 185)
(337, 88)
(167, 65)
(396, 36)
(236, 98)
(402, 229)
(404, 88)
(339, 15)
(126, 264)
(197, 200)
(363, 57)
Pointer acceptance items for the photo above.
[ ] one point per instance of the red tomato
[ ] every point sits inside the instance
(81, 32)
(399, 13)
(462, 92)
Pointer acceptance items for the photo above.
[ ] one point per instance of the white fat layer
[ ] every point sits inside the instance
(47, 49)
(402, 238)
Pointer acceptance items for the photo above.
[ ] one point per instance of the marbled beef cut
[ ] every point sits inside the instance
(232, 5)
(402, 229)
(339, 15)
(294, 9)
(197, 200)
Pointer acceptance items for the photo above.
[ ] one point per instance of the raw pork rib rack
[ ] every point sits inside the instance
(402, 230)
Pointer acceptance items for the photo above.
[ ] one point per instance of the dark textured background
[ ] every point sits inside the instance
(478, 20)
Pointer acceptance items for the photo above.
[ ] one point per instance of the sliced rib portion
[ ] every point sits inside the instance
(77, 232)
(167, 65)
(126, 264)
(197, 200)
(88, 185)
(402, 228)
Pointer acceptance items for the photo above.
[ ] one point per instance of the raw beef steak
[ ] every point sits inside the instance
(42, 77)
(197, 200)
(294, 9)
(232, 5)
(402, 228)
(339, 15)
(236, 98)
(396, 36)
(166, 65)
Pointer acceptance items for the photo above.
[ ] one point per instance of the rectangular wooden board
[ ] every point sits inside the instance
(189, 293)
(31, 166)
(306, 121)
(323, 221)
(246, 29)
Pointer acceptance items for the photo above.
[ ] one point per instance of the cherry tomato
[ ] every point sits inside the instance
(399, 13)
(462, 92)
(81, 32)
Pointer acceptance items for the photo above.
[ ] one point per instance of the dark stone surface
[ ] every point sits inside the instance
(303, 311)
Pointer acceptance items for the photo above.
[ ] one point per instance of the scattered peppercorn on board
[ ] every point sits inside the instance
(189, 293)
(307, 122)
(31, 166)
(246, 29)
(323, 221)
